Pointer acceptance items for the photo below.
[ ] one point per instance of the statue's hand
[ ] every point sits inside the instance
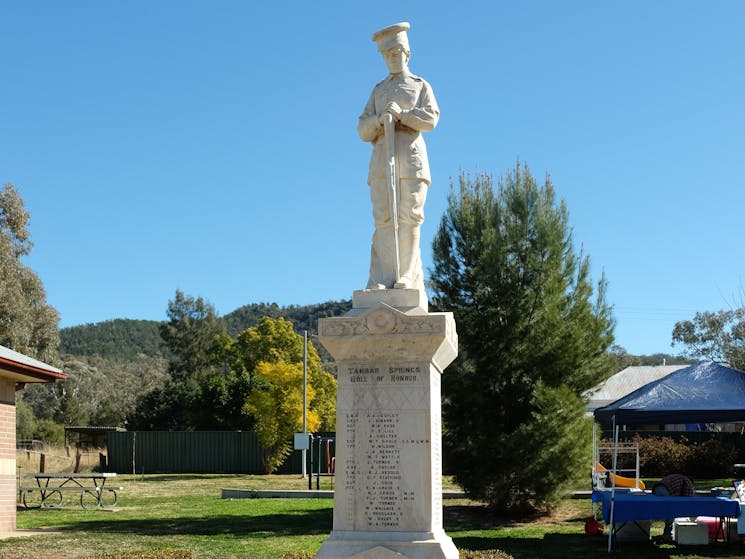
(394, 110)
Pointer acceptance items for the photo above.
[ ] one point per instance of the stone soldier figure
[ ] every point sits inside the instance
(407, 101)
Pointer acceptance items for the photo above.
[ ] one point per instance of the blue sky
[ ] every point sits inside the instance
(211, 146)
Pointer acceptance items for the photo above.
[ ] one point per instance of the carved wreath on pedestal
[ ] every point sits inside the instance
(381, 320)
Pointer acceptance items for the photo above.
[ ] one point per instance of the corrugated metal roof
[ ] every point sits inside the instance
(625, 382)
(20, 358)
(21, 368)
(93, 429)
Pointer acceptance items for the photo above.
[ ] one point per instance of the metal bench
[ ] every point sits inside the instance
(50, 488)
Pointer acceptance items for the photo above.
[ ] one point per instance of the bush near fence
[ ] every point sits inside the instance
(58, 458)
(699, 455)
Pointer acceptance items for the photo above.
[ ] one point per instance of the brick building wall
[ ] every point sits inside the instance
(7, 456)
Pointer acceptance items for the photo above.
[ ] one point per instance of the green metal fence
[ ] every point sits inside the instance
(229, 452)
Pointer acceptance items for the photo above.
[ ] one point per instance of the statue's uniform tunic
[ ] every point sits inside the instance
(419, 113)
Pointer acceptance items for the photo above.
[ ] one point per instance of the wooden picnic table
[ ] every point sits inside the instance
(50, 488)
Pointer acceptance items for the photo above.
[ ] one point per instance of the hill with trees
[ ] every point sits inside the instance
(303, 317)
(114, 339)
(113, 365)
(124, 338)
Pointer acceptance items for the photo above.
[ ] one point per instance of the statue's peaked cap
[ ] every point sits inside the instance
(392, 36)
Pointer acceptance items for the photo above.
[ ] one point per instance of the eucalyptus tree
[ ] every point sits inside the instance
(714, 335)
(27, 323)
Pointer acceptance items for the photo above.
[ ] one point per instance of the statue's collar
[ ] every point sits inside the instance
(406, 73)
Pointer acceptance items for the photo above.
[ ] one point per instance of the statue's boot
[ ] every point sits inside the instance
(410, 259)
(382, 260)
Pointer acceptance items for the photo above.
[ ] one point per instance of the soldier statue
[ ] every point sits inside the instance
(404, 106)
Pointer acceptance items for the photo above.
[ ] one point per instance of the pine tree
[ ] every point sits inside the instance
(190, 334)
(533, 335)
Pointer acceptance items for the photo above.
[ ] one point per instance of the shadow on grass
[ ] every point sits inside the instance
(582, 546)
(298, 524)
(471, 517)
(480, 517)
(523, 545)
(179, 477)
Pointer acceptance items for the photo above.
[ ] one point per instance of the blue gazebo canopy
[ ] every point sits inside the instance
(703, 393)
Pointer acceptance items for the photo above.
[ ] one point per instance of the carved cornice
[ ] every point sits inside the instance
(383, 320)
(383, 333)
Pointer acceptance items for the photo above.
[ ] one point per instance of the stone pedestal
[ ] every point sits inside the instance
(390, 354)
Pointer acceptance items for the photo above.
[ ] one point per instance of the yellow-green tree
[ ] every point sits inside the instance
(274, 341)
(278, 409)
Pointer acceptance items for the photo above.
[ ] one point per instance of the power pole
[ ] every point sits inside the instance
(305, 394)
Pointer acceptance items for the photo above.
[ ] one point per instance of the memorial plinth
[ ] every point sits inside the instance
(388, 496)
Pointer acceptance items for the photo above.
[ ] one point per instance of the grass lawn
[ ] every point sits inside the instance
(184, 511)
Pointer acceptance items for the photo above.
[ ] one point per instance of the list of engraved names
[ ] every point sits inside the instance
(378, 429)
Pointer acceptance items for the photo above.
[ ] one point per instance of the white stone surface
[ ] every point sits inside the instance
(383, 332)
(390, 352)
(404, 104)
(378, 552)
(388, 496)
(407, 299)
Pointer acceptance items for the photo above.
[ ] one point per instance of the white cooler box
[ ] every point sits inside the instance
(688, 532)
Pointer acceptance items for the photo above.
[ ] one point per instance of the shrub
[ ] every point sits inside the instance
(25, 421)
(487, 554)
(463, 554)
(49, 431)
(711, 459)
(163, 553)
(659, 456)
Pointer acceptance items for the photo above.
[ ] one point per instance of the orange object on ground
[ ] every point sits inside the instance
(621, 481)
(593, 527)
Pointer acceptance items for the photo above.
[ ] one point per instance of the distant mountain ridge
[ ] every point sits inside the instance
(125, 339)
(121, 338)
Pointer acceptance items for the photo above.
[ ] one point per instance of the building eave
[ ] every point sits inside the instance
(22, 369)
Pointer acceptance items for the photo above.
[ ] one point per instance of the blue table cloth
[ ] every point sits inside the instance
(645, 506)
